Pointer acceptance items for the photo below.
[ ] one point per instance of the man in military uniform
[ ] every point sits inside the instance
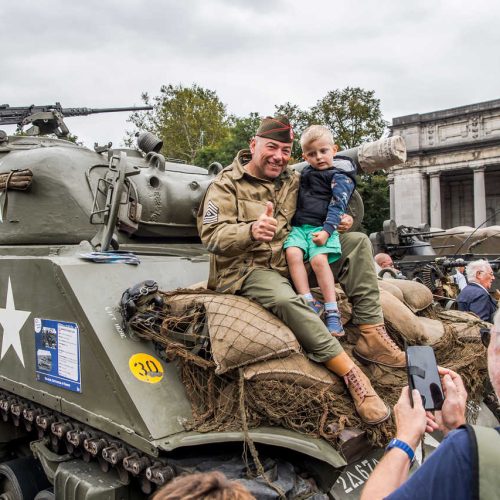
(244, 220)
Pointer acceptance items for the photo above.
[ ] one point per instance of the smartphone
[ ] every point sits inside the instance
(423, 375)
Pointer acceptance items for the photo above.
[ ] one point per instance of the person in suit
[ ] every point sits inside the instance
(475, 297)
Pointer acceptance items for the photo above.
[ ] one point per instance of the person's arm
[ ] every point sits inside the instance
(392, 471)
(218, 224)
(342, 189)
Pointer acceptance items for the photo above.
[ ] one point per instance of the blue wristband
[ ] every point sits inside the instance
(397, 443)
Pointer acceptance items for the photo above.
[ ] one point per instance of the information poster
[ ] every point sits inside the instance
(57, 345)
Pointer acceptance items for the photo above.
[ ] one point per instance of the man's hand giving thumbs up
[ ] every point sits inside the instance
(264, 228)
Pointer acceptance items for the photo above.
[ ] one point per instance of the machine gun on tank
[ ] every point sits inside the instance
(49, 119)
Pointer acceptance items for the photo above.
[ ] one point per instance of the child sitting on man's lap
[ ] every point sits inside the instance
(324, 193)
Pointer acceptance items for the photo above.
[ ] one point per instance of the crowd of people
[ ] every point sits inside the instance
(264, 224)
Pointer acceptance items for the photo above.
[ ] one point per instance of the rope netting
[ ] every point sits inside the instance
(243, 368)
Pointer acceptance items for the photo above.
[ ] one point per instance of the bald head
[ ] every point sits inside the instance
(384, 260)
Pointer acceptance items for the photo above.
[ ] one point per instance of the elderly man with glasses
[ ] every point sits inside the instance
(475, 297)
(465, 464)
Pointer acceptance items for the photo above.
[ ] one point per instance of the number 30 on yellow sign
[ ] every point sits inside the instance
(146, 368)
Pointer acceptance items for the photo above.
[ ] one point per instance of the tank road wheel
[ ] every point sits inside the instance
(22, 479)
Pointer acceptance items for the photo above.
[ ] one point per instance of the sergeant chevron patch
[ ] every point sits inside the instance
(212, 213)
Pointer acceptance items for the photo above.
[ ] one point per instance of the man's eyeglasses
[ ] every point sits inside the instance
(489, 273)
(485, 336)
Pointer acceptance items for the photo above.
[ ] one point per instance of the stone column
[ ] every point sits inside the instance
(392, 198)
(435, 199)
(479, 196)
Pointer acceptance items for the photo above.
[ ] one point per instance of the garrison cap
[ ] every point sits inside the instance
(277, 128)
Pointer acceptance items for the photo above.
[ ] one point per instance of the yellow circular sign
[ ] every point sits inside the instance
(146, 368)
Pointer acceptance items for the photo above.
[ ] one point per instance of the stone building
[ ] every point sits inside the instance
(452, 174)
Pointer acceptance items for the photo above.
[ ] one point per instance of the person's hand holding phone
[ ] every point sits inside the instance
(411, 420)
(452, 414)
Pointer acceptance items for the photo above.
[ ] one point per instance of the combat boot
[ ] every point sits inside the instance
(375, 346)
(369, 406)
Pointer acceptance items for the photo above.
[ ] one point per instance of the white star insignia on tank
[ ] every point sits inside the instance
(12, 321)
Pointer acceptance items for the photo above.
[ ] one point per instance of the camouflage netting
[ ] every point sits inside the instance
(242, 367)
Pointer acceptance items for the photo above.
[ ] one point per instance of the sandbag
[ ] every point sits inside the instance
(294, 369)
(433, 329)
(401, 318)
(393, 290)
(241, 331)
(416, 295)
(464, 325)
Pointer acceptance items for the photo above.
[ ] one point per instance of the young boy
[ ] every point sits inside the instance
(325, 190)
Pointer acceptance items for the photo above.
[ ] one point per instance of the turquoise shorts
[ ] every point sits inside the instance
(302, 237)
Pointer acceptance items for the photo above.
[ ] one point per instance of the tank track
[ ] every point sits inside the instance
(69, 436)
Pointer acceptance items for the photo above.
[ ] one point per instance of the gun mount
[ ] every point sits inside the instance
(49, 119)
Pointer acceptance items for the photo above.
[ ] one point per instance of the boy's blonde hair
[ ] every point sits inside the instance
(315, 132)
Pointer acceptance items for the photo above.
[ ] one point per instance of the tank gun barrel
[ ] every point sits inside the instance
(20, 115)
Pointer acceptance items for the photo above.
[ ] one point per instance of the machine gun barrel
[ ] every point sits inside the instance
(91, 111)
(21, 115)
(431, 233)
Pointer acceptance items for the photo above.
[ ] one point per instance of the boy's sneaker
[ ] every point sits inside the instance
(315, 305)
(334, 323)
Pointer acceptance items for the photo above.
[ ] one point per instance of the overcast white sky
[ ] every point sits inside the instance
(418, 56)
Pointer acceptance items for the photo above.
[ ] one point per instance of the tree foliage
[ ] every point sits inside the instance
(352, 114)
(187, 119)
(241, 130)
(374, 190)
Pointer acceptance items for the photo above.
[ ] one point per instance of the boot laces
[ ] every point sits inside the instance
(356, 382)
(381, 330)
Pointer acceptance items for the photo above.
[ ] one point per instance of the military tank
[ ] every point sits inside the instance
(90, 411)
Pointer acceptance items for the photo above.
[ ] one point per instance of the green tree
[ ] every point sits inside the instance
(374, 190)
(240, 132)
(187, 119)
(352, 114)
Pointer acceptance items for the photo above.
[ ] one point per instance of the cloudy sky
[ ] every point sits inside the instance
(418, 56)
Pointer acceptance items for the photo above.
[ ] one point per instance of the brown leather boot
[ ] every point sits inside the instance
(375, 346)
(369, 406)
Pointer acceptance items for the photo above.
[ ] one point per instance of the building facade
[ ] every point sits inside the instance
(452, 173)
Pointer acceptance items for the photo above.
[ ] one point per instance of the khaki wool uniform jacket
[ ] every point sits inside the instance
(231, 204)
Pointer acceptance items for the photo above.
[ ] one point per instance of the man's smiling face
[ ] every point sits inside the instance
(269, 157)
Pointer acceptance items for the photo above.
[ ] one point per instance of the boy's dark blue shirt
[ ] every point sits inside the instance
(325, 194)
